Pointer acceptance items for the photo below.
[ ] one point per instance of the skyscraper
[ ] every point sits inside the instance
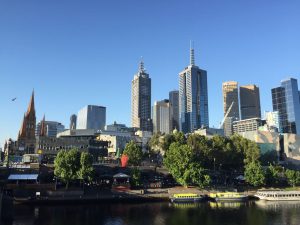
(193, 97)
(26, 136)
(174, 109)
(161, 116)
(141, 100)
(73, 119)
(250, 102)
(285, 100)
(91, 117)
(230, 97)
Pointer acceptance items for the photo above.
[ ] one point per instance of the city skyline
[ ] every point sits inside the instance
(67, 73)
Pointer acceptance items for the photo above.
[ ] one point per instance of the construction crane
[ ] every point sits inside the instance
(226, 115)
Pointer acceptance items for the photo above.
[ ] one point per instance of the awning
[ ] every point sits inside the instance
(23, 177)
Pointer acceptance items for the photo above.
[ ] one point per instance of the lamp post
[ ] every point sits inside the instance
(214, 165)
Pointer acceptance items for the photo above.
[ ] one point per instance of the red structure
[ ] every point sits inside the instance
(124, 160)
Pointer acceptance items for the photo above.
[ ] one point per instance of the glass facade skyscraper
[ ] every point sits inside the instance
(91, 117)
(285, 100)
(193, 97)
(174, 109)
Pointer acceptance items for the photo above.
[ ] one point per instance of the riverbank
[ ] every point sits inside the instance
(110, 196)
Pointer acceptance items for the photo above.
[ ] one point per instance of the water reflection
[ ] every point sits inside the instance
(232, 205)
(278, 205)
(225, 213)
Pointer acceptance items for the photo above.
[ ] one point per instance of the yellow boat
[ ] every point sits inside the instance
(228, 196)
(186, 198)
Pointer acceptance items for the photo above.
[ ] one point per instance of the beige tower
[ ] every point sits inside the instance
(230, 97)
(141, 100)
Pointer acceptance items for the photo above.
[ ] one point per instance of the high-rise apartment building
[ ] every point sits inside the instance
(73, 120)
(250, 102)
(230, 105)
(141, 100)
(161, 116)
(193, 97)
(285, 100)
(174, 109)
(91, 117)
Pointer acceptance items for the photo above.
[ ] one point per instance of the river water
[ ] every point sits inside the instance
(251, 213)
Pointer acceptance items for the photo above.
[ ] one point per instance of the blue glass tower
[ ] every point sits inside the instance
(193, 97)
(285, 100)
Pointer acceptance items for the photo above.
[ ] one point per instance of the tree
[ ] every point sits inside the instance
(66, 165)
(196, 175)
(134, 153)
(86, 167)
(272, 176)
(293, 177)
(72, 165)
(249, 148)
(135, 177)
(254, 174)
(181, 162)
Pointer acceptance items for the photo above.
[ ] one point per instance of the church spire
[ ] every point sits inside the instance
(192, 55)
(22, 132)
(31, 105)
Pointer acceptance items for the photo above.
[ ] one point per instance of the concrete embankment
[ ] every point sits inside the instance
(134, 196)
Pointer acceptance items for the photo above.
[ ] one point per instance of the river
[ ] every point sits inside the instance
(251, 213)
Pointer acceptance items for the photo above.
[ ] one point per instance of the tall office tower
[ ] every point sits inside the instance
(73, 119)
(141, 100)
(48, 128)
(161, 116)
(91, 117)
(193, 97)
(174, 109)
(230, 105)
(285, 100)
(26, 136)
(250, 102)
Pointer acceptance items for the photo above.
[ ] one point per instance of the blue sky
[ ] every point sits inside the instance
(76, 52)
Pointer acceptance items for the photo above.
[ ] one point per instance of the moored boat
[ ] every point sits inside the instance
(278, 195)
(186, 198)
(228, 196)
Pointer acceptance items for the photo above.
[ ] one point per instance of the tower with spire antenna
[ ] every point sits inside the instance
(26, 136)
(193, 96)
(141, 100)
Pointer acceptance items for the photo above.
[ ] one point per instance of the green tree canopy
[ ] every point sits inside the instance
(272, 175)
(254, 174)
(71, 165)
(181, 162)
(86, 167)
(293, 177)
(134, 153)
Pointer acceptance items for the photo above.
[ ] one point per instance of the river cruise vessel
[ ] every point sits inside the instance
(186, 198)
(278, 195)
(228, 196)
